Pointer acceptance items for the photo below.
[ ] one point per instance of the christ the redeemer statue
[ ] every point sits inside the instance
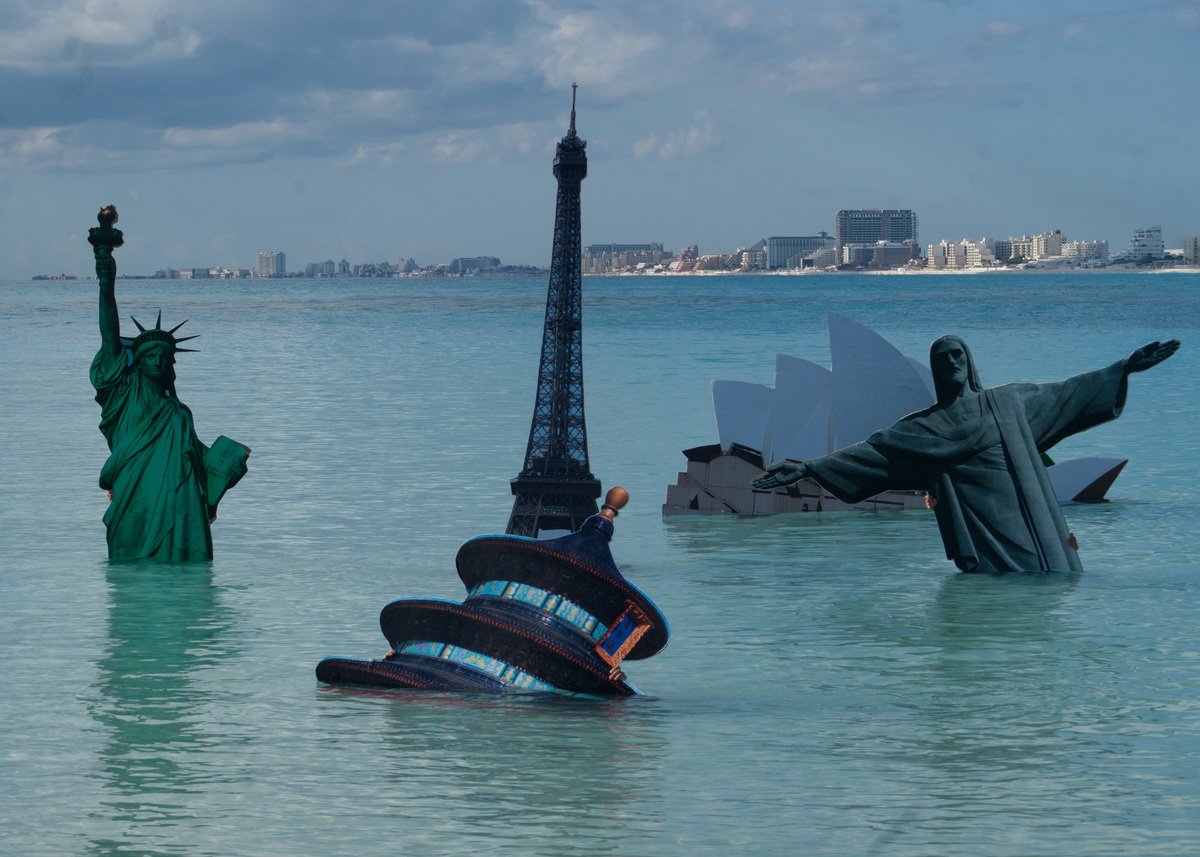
(977, 452)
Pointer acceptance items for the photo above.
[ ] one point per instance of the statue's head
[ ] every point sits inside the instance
(156, 361)
(953, 368)
(154, 351)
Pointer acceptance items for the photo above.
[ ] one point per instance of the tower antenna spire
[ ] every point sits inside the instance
(574, 86)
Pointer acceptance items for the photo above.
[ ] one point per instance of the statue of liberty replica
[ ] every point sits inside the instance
(163, 483)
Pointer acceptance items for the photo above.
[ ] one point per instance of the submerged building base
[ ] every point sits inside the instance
(717, 482)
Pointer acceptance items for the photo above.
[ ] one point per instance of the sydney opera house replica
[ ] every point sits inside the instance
(812, 411)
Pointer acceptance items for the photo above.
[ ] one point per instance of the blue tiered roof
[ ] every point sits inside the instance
(540, 615)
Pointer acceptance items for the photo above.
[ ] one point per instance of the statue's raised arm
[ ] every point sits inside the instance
(103, 239)
(1149, 356)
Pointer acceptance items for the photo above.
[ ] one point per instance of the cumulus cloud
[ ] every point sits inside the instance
(130, 32)
(1002, 30)
(364, 154)
(850, 52)
(457, 80)
(697, 138)
(609, 51)
(33, 145)
(245, 134)
(487, 144)
(369, 105)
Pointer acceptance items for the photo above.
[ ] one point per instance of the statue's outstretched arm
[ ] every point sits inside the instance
(1149, 356)
(781, 473)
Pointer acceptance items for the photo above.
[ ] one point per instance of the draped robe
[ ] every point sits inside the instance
(979, 456)
(155, 468)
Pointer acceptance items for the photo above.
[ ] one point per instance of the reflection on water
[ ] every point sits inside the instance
(1002, 661)
(940, 695)
(979, 611)
(816, 541)
(997, 686)
(166, 625)
(534, 772)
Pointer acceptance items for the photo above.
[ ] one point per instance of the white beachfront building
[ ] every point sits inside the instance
(270, 263)
(964, 254)
(1086, 250)
(981, 253)
(946, 255)
(1191, 250)
(1047, 244)
(986, 252)
(1146, 244)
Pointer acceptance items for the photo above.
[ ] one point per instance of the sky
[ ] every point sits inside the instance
(378, 131)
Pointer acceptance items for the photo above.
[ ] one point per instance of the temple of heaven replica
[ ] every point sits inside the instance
(549, 615)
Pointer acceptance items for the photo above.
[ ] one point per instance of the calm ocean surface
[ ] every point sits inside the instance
(832, 687)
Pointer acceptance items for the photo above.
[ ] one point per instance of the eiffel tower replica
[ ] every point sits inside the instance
(556, 489)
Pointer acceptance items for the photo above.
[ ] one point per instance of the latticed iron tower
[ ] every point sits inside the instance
(556, 489)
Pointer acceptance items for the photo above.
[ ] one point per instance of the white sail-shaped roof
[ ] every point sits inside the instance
(927, 377)
(873, 383)
(743, 411)
(800, 425)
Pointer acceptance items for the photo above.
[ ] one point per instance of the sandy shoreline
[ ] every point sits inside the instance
(903, 272)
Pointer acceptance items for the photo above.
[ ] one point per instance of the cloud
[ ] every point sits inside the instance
(697, 138)
(364, 154)
(34, 146)
(234, 136)
(645, 147)
(613, 52)
(488, 144)
(175, 82)
(131, 32)
(1072, 30)
(1003, 30)
(851, 53)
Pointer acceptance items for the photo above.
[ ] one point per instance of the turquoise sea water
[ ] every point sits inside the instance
(832, 686)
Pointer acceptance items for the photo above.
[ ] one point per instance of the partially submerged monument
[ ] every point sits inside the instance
(163, 483)
(812, 411)
(548, 615)
(977, 453)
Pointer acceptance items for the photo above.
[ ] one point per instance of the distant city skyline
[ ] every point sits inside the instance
(868, 242)
(357, 132)
(273, 262)
(855, 228)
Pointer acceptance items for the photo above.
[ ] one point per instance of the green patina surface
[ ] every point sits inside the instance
(164, 483)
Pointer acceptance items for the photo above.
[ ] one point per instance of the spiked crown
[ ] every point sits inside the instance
(157, 334)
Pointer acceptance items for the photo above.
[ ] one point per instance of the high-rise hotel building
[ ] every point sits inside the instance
(790, 252)
(869, 225)
(270, 263)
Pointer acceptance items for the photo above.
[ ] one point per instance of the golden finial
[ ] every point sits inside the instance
(614, 501)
